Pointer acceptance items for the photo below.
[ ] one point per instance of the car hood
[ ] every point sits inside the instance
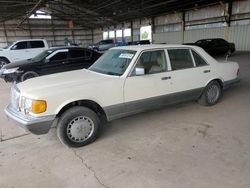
(18, 64)
(55, 82)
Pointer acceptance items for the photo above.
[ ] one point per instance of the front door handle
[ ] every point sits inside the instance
(206, 71)
(166, 78)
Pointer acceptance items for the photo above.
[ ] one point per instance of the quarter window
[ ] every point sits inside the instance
(199, 61)
(152, 62)
(180, 59)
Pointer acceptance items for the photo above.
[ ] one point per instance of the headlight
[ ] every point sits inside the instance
(33, 106)
(9, 71)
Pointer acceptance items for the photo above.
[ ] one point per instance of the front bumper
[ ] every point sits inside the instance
(35, 125)
(230, 83)
(9, 77)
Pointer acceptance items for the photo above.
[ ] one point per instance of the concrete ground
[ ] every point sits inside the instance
(182, 146)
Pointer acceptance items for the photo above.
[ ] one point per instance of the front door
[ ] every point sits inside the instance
(55, 62)
(151, 89)
(19, 51)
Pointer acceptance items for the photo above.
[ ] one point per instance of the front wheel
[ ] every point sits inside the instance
(28, 75)
(78, 126)
(211, 94)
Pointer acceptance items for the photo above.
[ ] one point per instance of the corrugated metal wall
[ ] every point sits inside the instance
(207, 22)
(240, 35)
(54, 31)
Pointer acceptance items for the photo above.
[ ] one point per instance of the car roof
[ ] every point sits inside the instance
(153, 46)
(29, 40)
(65, 47)
(212, 39)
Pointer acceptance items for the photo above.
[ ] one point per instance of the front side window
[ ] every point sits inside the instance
(20, 46)
(59, 56)
(113, 62)
(42, 55)
(199, 61)
(152, 62)
(180, 59)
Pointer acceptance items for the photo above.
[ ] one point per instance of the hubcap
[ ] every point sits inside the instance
(80, 129)
(213, 93)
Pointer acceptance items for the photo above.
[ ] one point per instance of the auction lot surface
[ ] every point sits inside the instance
(182, 146)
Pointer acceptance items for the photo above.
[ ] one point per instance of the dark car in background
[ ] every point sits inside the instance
(50, 61)
(215, 46)
(139, 42)
(103, 45)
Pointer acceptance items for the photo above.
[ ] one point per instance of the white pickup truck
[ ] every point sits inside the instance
(124, 81)
(22, 50)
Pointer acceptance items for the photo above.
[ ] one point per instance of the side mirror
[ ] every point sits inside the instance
(139, 71)
(46, 60)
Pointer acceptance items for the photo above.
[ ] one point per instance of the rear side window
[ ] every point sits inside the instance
(180, 59)
(199, 61)
(37, 44)
(76, 53)
(20, 46)
(59, 56)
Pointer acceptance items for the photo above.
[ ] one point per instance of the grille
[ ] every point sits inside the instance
(15, 95)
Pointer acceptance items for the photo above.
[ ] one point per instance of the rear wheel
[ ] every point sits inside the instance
(211, 94)
(28, 75)
(78, 126)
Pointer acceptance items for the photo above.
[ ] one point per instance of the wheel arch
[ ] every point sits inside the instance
(219, 80)
(2, 57)
(86, 103)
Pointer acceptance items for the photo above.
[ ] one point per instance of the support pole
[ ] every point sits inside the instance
(5, 33)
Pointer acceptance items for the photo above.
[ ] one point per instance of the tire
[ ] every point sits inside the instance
(211, 94)
(3, 61)
(78, 126)
(28, 75)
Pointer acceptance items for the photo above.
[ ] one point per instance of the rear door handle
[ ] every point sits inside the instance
(166, 78)
(206, 71)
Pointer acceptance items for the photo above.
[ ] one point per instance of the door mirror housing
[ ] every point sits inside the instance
(46, 60)
(139, 71)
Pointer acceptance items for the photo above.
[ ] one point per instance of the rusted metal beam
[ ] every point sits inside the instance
(30, 12)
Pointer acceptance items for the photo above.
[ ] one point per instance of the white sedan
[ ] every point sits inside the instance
(124, 81)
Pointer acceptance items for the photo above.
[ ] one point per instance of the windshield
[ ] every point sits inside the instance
(42, 55)
(113, 62)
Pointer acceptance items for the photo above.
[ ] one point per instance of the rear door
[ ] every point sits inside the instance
(76, 59)
(187, 80)
(36, 47)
